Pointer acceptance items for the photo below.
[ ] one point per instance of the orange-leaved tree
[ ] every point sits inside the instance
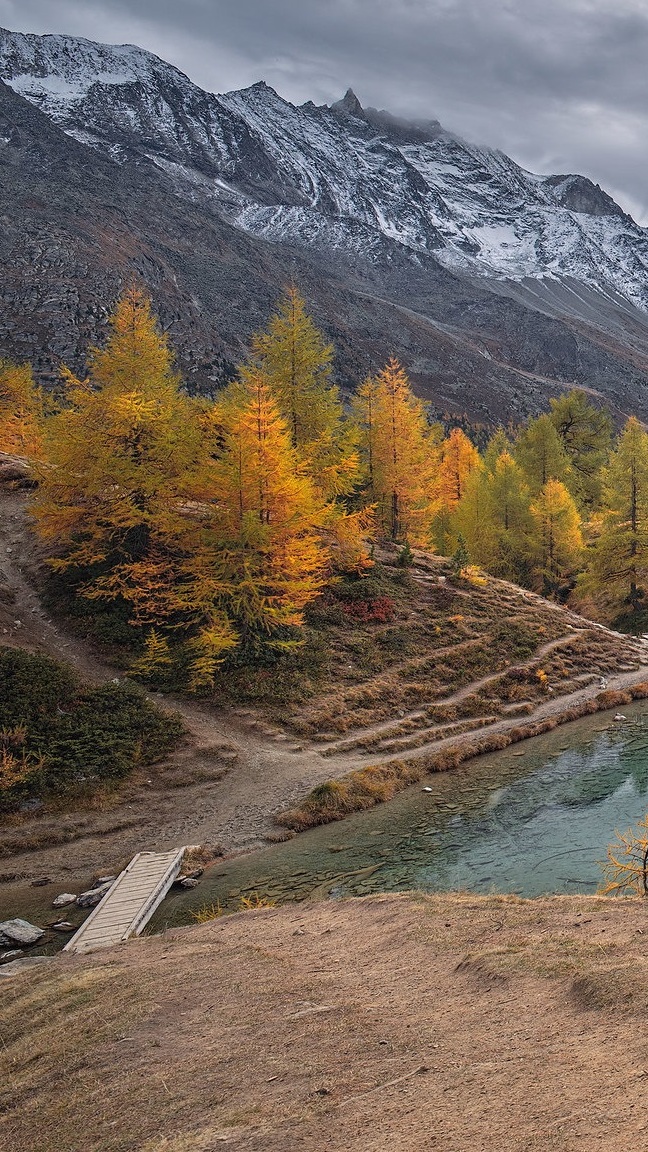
(295, 361)
(120, 502)
(399, 455)
(266, 515)
(21, 412)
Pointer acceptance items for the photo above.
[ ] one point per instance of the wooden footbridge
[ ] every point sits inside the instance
(131, 901)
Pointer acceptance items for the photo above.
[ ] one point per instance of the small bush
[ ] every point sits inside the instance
(365, 588)
(207, 913)
(254, 902)
(613, 698)
(73, 739)
(378, 611)
(405, 557)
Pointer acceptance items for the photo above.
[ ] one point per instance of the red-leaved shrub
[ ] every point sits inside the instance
(378, 611)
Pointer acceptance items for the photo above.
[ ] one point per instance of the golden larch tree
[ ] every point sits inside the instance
(399, 455)
(508, 525)
(473, 520)
(557, 545)
(617, 575)
(119, 501)
(21, 412)
(540, 453)
(267, 513)
(458, 458)
(295, 361)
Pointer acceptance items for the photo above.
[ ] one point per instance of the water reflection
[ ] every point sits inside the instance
(530, 820)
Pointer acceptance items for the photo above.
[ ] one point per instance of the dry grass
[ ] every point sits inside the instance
(340, 1025)
(445, 638)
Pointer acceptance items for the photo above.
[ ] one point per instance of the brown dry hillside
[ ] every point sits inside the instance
(407, 667)
(408, 1024)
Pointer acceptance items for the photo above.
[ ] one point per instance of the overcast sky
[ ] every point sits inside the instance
(560, 85)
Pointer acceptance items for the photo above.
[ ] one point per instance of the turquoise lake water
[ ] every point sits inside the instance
(533, 819)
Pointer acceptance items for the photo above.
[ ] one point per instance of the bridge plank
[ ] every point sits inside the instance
(131, 901)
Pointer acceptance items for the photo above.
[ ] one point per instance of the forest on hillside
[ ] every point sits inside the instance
(197, 532)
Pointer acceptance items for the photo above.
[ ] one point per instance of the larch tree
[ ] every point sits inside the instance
(21, 412)
(540, 454)
(498, 443)
(399, 455)
(266, 515)
(295, 361)
(508, 525)
(586, 434)
(473, 518)
(617, 575)
(557, 546)
(458, 458)
(119, 500)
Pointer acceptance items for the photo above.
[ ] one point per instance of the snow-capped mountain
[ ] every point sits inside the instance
(496, 287)
(334, 177)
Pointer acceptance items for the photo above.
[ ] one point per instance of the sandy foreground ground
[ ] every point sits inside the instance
(385, 1024)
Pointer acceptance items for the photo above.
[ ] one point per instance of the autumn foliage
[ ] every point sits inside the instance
(21, 412)
(209, 527)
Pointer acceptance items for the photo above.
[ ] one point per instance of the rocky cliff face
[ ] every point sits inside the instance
(495, 286)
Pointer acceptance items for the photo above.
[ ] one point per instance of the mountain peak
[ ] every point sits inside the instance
(349, 104)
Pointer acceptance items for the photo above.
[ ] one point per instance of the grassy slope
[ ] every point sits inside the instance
(401, 1023)
(458, 669)
(389, 685)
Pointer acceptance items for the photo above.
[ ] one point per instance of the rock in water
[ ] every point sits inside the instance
(19, 932)
(93, 895)
(64, 899)
(101, 880)
(63, 926)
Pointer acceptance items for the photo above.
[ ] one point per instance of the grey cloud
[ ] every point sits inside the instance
(561, 85)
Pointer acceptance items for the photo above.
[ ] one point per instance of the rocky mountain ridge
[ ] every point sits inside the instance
(496, 286)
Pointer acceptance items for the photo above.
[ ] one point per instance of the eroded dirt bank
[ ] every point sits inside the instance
(392, 1022)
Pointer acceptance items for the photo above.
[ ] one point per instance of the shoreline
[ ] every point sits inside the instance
(363, 788)
(263, 829)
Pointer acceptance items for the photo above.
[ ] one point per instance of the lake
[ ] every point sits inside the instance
(533, 819)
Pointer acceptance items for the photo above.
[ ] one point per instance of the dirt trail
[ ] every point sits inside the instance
(262, 768)
(268, 770)
(419, 713)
